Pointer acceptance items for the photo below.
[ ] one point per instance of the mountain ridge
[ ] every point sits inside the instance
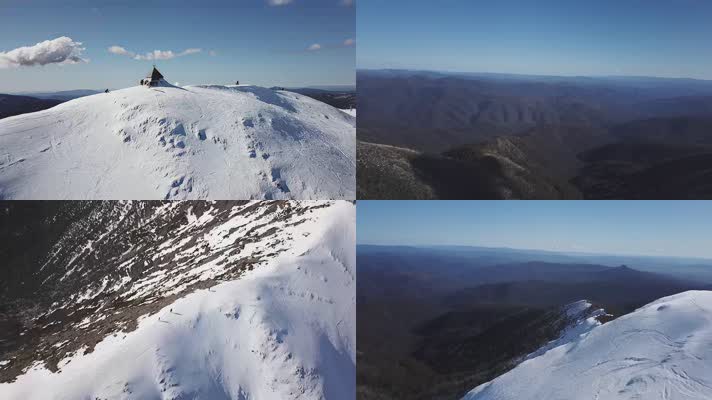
(272, 284)
(656, 350)
(517, 137)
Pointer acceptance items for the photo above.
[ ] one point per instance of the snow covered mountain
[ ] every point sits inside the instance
(178, 300)
(576, 319)
(660, 351)
(193, 142)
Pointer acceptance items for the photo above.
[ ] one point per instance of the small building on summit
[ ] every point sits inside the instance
(153, 79)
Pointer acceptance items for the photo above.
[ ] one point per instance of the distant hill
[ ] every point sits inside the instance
(621, 289)
(659, 158)
(23, 103)
(339, 98)
(63, 95)
(494, 170)
(469, 257)
(11, 105)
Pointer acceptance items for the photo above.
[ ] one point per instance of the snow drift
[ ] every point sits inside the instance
(283, 330)
(193, 142)
(660, 351)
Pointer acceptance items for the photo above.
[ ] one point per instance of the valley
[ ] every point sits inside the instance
(437, 321)
(498, 136)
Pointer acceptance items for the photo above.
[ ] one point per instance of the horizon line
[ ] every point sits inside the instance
(592, 76)
(318, 86)
(572, 252)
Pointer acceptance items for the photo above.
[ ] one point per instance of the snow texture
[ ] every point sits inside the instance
(660, 351)
(350, 111)
(581, 318)
(194, 142)
(283, 331)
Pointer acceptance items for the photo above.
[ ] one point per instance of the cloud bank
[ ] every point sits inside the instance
(62, 50)
(152, 55)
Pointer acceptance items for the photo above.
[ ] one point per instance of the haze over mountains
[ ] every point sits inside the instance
(23, 103)
(437, 321)
(516, 136)
(11, 105)
(64, 95)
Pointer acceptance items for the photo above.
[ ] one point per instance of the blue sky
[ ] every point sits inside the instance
(665, 38)
(248, 40)
(655, 228)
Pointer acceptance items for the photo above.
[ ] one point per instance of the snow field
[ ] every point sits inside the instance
(660, 351)
(193, 142)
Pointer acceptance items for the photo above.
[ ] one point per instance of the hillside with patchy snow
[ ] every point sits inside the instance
(181, 300)
(660, 351)
(577, 319)
(193, 142)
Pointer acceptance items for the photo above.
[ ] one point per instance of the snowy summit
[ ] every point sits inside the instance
(160, 141)
(660, 351)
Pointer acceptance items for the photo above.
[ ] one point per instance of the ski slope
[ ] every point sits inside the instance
(660, 351)
(285, 330)
(193, 142)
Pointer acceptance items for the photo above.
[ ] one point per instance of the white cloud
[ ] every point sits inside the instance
(275, 3)
(120, 51)
(153, 55)
(331, 46)
(156, 55)
(62, 50)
